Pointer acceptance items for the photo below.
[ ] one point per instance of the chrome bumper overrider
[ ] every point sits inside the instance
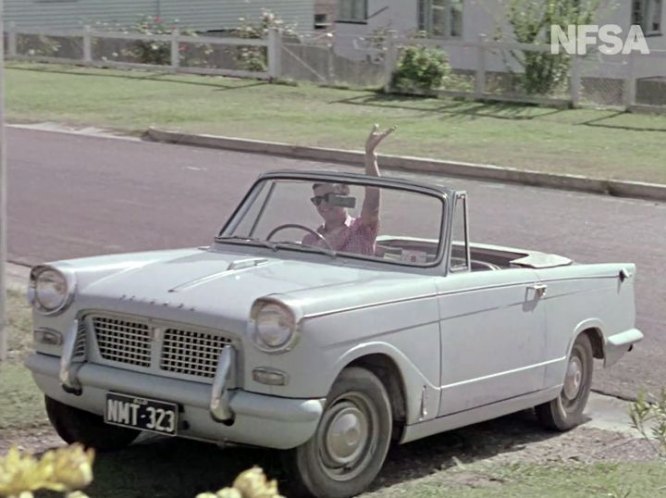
(68, 369)
(220, 395)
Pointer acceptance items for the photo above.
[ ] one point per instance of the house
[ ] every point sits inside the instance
(453, 21)
(200, 15)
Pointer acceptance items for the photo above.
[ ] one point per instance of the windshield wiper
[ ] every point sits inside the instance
(247, 240)
(298, 245)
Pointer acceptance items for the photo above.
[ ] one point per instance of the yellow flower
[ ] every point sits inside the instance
(64, 469)
(249, 484)
(19, 474)
(72, 467)
(253, 484)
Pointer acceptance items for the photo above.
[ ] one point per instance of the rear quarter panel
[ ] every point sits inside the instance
(582, 297)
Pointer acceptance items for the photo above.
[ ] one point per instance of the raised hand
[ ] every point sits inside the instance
(375, 138)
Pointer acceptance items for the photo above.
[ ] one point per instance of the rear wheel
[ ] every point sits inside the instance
(351, 442)
(566, 411)
(78, 426)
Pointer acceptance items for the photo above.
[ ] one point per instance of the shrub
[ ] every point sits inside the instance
(37, 45)
(421, 68)
(649, 418)
(531, 21)
(151, 52)
(157, 52)
(251, 58)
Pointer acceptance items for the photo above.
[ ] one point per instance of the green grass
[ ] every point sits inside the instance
(599, 143)
(633, 480)
(21, 405)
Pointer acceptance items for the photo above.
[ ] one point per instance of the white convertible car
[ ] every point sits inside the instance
(274, 336)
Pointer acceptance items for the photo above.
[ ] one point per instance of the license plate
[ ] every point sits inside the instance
(141, 413)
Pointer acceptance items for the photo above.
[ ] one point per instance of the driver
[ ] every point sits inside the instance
(342, 231)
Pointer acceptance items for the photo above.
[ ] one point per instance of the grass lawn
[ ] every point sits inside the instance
(21, 403)
(598, 143)
(522, 480)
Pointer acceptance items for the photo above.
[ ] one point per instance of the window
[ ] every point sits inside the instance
(441, 18)
(647, 14)
(352, 10)
(459, 236)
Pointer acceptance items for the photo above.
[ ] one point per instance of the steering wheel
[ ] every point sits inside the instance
(302, 227)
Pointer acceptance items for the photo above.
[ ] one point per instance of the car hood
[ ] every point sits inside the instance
(226, 284)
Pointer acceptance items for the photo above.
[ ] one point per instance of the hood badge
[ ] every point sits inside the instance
(155, 302)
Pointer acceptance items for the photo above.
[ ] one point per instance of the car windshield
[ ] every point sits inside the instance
(340, 220)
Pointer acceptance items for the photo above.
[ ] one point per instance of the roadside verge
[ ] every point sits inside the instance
(618, 188)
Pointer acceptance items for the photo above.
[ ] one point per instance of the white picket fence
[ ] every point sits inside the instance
(176, 39)
(481, 65)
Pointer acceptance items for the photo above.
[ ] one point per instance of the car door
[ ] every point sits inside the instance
(492, 328)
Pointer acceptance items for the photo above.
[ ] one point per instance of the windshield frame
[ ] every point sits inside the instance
(266, 181)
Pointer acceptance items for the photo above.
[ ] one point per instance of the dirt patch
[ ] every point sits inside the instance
(35, 440)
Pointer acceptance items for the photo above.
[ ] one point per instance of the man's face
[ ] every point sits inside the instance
(326, 210)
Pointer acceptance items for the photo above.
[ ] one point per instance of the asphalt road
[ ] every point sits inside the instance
(74, 195)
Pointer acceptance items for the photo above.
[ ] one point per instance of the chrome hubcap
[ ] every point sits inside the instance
(346, 435)
(574, 379)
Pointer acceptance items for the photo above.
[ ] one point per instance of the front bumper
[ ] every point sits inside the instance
(261, 420)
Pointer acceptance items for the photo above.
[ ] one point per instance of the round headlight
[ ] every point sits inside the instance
(50, 290)
(275, 327)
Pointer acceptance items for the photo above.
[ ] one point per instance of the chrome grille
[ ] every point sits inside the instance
(191, 352)
(123, 341)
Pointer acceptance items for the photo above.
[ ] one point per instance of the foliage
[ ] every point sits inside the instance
(158, 52)
(64, 470)
(250, 58)
(37, 45)
(421, 68)
(249, 484)
(650, 419)
(531, 21)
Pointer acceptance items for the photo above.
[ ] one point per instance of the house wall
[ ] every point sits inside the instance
(401, 16)
(194, 14)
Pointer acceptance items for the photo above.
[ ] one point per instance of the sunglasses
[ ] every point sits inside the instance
(318, 199)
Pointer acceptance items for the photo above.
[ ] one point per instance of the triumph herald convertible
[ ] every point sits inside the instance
(327, 340)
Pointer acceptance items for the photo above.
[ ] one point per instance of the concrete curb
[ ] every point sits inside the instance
(639, 190)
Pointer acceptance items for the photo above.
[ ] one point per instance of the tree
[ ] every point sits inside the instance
(531, 22)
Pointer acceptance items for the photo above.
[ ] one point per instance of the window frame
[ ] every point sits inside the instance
(425, 18)
(460, 206)
(351, 20)
(645, 13)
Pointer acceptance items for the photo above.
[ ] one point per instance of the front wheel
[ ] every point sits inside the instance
(352, 439)
(566, 411)
(78, 426)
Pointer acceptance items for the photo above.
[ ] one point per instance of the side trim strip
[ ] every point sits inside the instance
(508, 372)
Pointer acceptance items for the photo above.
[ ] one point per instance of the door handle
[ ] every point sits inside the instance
(539, 289)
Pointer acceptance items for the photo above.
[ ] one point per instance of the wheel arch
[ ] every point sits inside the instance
(388, 372)
(593, 328)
